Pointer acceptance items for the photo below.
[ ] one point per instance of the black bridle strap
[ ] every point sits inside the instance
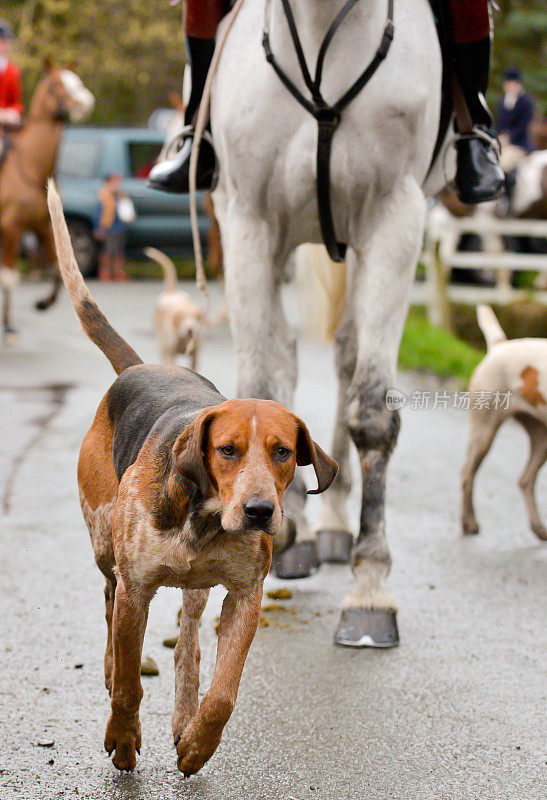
(284, 78)
(297, 45)
(327, 116)
(339, 18)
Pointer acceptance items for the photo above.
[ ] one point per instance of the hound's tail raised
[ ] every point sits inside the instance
(490, 326)
(169, 272)
(94, 323)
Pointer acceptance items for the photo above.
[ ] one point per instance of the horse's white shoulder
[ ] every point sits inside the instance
(266, 141)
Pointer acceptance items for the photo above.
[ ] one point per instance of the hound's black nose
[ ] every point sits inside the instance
(258, 510)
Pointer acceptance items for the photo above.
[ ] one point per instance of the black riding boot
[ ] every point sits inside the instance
(173, 174)
(479, 176)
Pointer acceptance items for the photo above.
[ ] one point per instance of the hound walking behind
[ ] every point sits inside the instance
(178, 321)
(516, 369)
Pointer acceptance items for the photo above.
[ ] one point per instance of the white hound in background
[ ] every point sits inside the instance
(178, 321)
(516, 370)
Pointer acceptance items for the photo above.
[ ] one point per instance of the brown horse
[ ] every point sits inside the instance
(59, 97)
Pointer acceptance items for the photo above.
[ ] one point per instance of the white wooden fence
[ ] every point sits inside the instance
(440, 255)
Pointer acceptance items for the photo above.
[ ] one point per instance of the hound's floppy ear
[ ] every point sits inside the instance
(309, 452)
(189, 451)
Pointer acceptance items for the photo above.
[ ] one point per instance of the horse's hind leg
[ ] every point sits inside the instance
(48, 244)
(266, 355)
(381, 279)
(333, 530)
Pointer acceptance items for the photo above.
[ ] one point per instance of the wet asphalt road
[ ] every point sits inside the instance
(457, 712)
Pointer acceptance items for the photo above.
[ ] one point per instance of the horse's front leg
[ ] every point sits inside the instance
(333, 529)
(266, 359)
(265, 348)
(381, 278)
(10, 235)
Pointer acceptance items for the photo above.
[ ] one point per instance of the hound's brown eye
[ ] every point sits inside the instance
(282, 453)
(228, 451)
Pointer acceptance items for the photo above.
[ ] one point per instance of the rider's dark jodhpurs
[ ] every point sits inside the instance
(203, 17)
(469, 18)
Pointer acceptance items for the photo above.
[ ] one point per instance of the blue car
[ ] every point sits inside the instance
(86, 156)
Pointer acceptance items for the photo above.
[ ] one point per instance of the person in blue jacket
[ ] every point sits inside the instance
(515, 111)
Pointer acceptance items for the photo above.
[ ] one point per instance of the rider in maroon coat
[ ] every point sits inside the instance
(479, 176)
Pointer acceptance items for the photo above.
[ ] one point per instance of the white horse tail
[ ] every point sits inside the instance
(169, 271)
(490, 326)
(120, 354)
(322, 288)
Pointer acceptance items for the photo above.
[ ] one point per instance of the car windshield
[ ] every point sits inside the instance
(78, 158)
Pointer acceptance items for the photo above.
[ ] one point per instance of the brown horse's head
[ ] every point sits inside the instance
(61, 95)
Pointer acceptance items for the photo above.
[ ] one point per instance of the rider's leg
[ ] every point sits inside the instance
(200, 54)
(479, 176)
(172, 174)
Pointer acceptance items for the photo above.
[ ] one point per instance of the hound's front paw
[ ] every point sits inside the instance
(124, 737)
(181, 718)
(540, 531)
(196, 746)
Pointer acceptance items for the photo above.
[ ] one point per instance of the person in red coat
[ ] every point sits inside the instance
(11, 96)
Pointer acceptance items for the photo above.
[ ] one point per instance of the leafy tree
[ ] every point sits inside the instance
(130, 53)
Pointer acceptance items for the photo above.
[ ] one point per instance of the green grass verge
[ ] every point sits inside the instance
(427, 348)
(146, 269)
(139, 270)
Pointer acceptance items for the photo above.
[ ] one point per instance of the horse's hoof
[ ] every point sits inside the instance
(367, 627)
(285, 538)
(299, 561)
(334, 547)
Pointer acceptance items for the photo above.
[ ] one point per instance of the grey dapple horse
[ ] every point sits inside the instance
(266, 204)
